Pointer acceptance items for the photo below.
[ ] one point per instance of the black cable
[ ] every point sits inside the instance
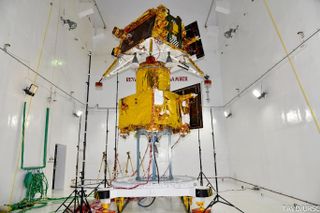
(271, 68)
(148, 205)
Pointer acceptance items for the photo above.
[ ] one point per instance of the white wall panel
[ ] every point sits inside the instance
(23, 24)
(273, 142)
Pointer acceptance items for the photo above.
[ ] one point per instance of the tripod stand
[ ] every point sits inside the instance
(80, 194)
(201, 173)
(75, 194)
(217, 198)
(127, 164)
(106, 169)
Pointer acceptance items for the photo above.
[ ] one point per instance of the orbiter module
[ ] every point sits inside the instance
(166, 45)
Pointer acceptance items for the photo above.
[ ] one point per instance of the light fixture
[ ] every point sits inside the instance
(5, 47)
(71, 24)
(169, 59)
(77, 113)
(31, 90)
(227, 114)
(135, 62)
(56, 62)
(169, 62)
(258, 94)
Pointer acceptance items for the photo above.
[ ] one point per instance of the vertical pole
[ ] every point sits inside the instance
(170, 155)
(116, 133)
(154, 168)
(200, 159)
(138, 155)
(85, 138)
(77, 165)
(106, 150)
(214, 152)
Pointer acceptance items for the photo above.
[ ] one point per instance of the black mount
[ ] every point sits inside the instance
(201, 173)
(79, 196)
(217, 198)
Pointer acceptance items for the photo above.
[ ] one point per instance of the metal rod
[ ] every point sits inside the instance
(138, 155)
(153, 146)
(170, 154)
(200, 159)
(41, 76)
(103, 22)
(214, 151)
(77, 164)
(106, 150)
(116, 131)
(209, 13)
(85, 138)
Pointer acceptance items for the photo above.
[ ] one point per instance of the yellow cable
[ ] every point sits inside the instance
(30, 97)
(294, 69)
(43, 42)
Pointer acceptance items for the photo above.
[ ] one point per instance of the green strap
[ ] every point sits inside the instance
(44, 159)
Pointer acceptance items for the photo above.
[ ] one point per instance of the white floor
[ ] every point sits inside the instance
(246, 199)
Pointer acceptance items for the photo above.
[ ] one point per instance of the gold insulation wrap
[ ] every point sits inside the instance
(151, 76)
(154, 107)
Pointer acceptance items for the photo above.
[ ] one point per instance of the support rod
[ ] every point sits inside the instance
(200, 159)
(116, 132)
(214, 151)
(209, 13)
(100, 15)
(85, 138)
(106, 151)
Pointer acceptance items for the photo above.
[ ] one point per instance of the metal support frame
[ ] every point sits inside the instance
(153, 141)
(81, 193)
(105, 181)
(218, 198)
(154, 137)
(201, 173)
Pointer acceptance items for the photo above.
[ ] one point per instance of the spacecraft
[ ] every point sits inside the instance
(164, 45)
(167, 46)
